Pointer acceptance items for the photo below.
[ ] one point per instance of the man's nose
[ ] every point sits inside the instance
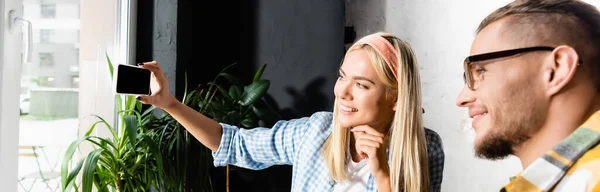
(465, 97)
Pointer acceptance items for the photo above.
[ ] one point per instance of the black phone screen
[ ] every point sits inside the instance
(133, 80)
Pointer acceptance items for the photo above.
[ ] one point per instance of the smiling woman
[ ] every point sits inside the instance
(373, 140)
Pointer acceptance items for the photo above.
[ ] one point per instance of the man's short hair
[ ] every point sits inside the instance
(555, 22)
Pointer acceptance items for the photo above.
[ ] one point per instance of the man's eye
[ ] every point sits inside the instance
(480, 70)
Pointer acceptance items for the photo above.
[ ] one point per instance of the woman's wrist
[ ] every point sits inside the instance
(381, 175)
(170, 103)
(382, 180)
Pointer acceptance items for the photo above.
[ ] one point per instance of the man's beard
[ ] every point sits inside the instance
(502, 139)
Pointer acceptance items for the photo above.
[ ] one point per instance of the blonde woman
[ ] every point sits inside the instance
(374, 139)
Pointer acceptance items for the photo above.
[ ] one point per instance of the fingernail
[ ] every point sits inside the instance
(138, 98)
(140, 64)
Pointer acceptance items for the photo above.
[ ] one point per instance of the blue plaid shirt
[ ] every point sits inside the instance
(299, 142)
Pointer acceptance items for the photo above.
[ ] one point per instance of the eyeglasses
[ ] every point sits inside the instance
(468, 75)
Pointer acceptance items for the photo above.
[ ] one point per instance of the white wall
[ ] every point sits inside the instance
(441, 32)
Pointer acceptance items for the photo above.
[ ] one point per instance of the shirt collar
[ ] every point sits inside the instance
(547, 170)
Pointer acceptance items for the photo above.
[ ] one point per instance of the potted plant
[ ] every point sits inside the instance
(129, 160)
(188, 163)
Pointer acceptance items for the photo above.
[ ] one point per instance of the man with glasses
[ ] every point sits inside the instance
(532, 87)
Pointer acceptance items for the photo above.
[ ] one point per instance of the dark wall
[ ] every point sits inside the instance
(302, 42)
(212, 37)
(145, 13)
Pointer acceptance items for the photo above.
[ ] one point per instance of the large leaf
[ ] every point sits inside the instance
(261, 112)
(235, 92)
(64, 171)
(71, 177)
(259, 73)
(131, 126)
(89, 169)
(73, 147)
(255, 91)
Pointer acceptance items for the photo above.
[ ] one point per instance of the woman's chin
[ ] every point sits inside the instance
(347, 124)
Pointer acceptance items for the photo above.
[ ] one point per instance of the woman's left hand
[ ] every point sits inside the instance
(370, 144)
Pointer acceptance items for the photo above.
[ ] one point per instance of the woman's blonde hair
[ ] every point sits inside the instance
(409, 169)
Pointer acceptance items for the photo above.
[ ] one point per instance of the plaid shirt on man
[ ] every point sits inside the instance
(571, 166)
(299, 142)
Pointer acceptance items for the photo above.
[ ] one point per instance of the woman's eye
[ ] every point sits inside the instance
(360, 85)
(340, 77)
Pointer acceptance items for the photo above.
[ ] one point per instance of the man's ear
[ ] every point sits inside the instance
(561, 70)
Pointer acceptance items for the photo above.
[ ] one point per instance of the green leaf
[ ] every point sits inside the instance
(248, 123)
(71, 176)
(201, 104)
(119, 102)
(131, 126)
(234, 80)
(227, 105)
(185, 87)
(149, 110)
(110, 67)
(154, 150)
(89, 132)
(89, 169)
(233, 117)
(259, 73)
(222, 91)
(260, 112)
(235, 92)
(255, 91)
(217, 109)
(108, 126)
(138, 106)
(131, 102)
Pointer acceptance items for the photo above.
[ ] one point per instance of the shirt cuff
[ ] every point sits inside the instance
(223, 153)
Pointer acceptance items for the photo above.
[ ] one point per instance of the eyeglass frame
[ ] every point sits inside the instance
(468, 77)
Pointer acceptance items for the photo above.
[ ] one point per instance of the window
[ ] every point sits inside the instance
(48, 11)
(75, 82)
(46, 35)
(44, 81)
(46, 59)
(55, 121)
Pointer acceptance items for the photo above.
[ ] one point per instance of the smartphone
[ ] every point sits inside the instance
(132, 80)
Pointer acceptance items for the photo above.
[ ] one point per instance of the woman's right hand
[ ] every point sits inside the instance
(159, 86)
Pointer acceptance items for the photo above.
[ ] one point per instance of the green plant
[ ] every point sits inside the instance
(187, 162)
(128, 161)
(241, 104)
